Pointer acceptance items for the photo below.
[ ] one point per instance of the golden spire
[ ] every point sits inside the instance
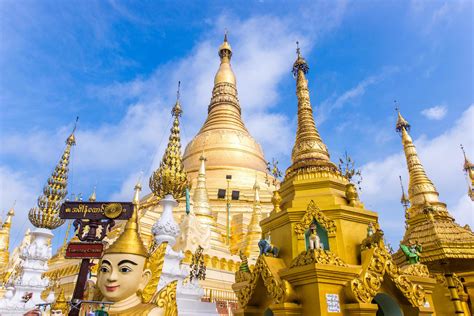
(420, 188)
(46, 213)
(130, 242)
(224, 110)
(5, 229)
(60, 303)
(170, 177)
(254, 232)
(468, 168)
(93, 196)
(309, 149)
(200, 196)
(254, 225)
(8, 220)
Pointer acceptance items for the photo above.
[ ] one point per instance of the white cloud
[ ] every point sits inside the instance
(437, 112)
(331, 104)
(442, 159)
(21, 190)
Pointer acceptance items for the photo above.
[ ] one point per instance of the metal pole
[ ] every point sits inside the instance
(80, 286)
(228, 177)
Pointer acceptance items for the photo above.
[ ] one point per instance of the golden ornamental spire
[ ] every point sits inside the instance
(46, 213)
(468, 168)
(254, 232)
(420, 188)
(309, 149)
(200, 196)
(60, 303)
(170, 177)
(93, 196)
(130, 242)
(224, 110)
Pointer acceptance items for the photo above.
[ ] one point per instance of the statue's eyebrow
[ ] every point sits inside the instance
(126, 261)
(106, 262)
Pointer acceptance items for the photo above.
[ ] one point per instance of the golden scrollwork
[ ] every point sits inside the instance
(155, 264)
(417, 269)
(314, 213)
(317, 256)
(368, 283)
(279, 290)
(166, 299)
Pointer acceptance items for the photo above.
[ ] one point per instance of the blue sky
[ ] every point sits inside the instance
(116, 64)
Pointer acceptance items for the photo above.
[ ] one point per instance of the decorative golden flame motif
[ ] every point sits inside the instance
(46, 213)
(170, 177)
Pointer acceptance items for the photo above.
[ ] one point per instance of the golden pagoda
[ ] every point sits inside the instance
(447, 248)
(332, 257)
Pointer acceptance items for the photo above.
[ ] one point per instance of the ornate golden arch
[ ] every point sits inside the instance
(314, 213)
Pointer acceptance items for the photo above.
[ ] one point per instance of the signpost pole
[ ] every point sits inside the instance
(80, 287)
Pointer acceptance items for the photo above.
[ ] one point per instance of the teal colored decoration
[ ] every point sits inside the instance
(322, 233)
(101, 312)
(412, 252)
(188, 204)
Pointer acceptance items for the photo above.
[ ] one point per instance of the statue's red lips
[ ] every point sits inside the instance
(112, 288)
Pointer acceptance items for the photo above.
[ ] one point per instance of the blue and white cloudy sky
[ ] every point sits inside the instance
(115, 64)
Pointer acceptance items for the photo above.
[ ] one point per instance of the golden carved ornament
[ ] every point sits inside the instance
(417, 269)
(166, 299)
(313, 256)
(368, 283)
(278, 289)
(314, 213)
(60, 303)
(170, 177)
(46, 213)
(155, 264)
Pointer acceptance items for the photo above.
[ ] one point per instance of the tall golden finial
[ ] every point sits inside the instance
(170, 177)
(309, 149)
(421, 190)
(468, 168)
(46, 213)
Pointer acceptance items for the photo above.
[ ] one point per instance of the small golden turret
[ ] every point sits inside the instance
(468, 168)
(46, 213)
(5, 229)
(170, 177)
(93, 196)
(404, 200)
(420, 188)
(254, 233)
(200, 197)
(60, 304)
(309, 151)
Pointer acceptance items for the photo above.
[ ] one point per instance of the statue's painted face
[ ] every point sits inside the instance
(121, 276)
(57, 312)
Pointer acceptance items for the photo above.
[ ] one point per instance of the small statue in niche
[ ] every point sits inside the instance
(266, 247)
(370, 229)
(314, 240)
(412, 251)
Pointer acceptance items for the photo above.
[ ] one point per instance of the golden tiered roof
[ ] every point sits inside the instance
(170, 177)
(445, 243)
(46, 213)
(309, 151)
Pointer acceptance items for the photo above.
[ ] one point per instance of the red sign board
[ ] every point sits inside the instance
(84, 250)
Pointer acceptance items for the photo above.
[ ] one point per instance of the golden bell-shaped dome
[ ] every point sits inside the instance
(223, 137)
